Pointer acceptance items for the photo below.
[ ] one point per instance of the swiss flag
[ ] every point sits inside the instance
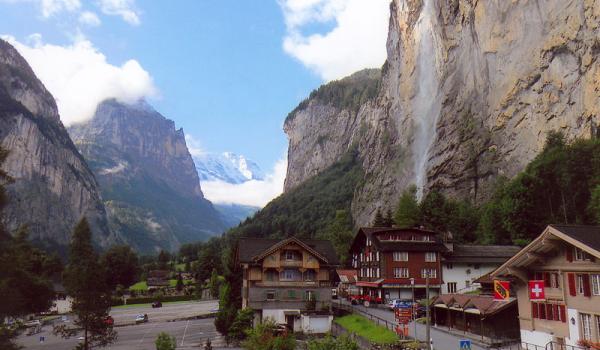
(537, 290)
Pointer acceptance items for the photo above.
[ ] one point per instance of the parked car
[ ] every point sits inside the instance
(109, 321)
(355, 299)
(156, 304)
(141, 318)
(373, 300)
(334, 294)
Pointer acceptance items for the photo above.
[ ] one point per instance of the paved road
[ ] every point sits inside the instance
(188, 334)
(441, 340)
(126, 315)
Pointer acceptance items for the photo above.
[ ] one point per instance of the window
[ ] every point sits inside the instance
(427, 238)
(290, 275)
(449, 266)
(378, 272)
(586, 326)
(554, 280)
(290, 255)
(467, 284)
(270, 275)
(270, 295)
(451, 287)
(598, 326)
(401, 272)
(400, 256)
(431, 273)
(377, 256)
(580, 255)
(309, 275)
(580, 286)
(291, 294)
(430, 256)
(595, 284)
(476, 266)
(309, 295)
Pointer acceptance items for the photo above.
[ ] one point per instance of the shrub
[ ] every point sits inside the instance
(165, 342)
(265, 337)
(331, 343)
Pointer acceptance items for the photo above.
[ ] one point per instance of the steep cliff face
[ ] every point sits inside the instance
(53, 185)
(468, 93)
(147, 177)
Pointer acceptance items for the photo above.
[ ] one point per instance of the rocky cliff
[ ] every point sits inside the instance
(467, 94)
(147, 177)
(53, 186)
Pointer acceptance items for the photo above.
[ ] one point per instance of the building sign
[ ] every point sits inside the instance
(501, 290)
(537, 290)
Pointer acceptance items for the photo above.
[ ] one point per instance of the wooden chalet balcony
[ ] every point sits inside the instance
(293, 284)
(290, 263)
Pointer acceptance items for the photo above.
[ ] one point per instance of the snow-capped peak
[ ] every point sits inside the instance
(228, 167)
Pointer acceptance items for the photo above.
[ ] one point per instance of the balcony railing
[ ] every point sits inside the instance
(293, 284)
(292, 263)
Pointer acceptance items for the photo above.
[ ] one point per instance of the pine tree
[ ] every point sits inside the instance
(179, 284)
(407, 213)
(388, 221)
(85, 281)
(379, 221)
(214, 283)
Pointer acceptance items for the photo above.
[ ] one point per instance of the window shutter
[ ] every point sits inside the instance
(586, 285)
(549, 312)
(572, 288)
(569, 253)
(534, 310)
(547, 279)
(556, 313)
(563, 316)
(316, 295)
(542, 311)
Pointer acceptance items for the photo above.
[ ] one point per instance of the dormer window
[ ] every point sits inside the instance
(580, 255)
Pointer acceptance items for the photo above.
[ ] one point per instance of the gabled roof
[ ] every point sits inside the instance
(484, 304)
(285, 242)
(347, 276)
(251, 248)
(471, 253)
(586, 238)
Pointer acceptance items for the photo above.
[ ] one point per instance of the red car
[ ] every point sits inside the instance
(109, 321)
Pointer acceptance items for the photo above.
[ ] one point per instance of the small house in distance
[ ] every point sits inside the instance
(556, 279)
(157, 279)
(289, 281)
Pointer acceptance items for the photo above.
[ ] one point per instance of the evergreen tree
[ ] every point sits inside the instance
(379, 221)
(163, 260)
(339, 232)
(407, 214)
(123, 264)
(85, 281)
(179, 285)
(230, 299)
(388, 220)
(214, 283)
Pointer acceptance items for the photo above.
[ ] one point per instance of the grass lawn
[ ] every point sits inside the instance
(367, 329)
(139, 287)
(173, 283)
(180, 267)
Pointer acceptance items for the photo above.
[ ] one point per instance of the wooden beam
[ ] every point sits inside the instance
(518, 273)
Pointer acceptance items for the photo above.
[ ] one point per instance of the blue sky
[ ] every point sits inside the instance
(227, 71)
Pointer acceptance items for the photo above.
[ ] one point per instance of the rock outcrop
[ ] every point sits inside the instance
(147, 177)
(53, 187)
(468, 93)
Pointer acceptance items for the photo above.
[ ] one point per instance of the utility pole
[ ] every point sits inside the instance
(414, 308)
(427, 330)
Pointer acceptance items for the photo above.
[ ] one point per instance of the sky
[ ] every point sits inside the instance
(227, 71)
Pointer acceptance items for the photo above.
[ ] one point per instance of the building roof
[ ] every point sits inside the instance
(471, 253)
(372, 230)
(249, 248)
(482, 304)
(424, 246)
(586, 238)
(347, 276)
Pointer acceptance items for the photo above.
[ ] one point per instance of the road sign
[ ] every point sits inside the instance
(464, 344)
(501, 290)
(537, 290)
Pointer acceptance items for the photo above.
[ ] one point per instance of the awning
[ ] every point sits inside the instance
(369, 284)
(291, 312)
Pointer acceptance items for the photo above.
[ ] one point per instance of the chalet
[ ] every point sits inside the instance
(347, 284)
(464, 264)
(392, 262)
(556, 279)
(289, 281)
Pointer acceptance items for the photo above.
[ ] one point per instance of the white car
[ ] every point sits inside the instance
(141, 318)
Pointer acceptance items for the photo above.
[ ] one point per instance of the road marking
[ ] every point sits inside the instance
(184, 331)
(146, 333)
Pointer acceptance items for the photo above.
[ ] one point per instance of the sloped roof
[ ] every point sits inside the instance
(472, 253)
(248, 248)
(425, 246)
(485, 304)
(588, 235)
(347, 276)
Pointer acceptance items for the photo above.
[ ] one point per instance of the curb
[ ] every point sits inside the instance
(197, 317)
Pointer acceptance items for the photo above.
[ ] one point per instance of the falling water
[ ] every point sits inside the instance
(426, 105)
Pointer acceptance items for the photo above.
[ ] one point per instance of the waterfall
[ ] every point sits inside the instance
(425, 106)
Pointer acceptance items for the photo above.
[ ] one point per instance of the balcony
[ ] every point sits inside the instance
(293, 284)
(290, 263)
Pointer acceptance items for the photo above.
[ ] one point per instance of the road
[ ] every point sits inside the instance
(441, 340)
(188, 333)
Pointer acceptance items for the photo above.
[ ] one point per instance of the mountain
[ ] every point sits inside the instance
(228, 167)
(147, 177)
(467, 96)
(233, 214)
(53, 187)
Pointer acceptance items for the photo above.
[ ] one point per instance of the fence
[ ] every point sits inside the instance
(375, 319)
(550, 346)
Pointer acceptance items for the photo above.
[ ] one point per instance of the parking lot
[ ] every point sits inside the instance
(188, 333)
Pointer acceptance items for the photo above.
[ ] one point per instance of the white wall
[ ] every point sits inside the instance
(62, 306)
(535, 337)
(316, 323)
(458, 273)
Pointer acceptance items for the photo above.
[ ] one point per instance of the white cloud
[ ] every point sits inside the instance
(89, 19)
(49, 8)
(253, 192)
(193, 146)
(126, 9)
(357, 41)
(79, 76)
